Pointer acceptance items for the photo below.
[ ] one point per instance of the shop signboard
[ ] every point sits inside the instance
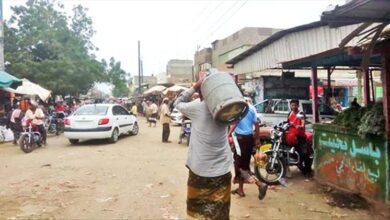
(345, 160)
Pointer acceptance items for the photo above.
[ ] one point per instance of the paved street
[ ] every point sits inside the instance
(136, 178)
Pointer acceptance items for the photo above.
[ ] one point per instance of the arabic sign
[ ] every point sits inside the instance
(352, 163)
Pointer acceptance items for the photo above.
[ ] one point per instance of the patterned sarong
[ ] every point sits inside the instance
(153, 118)
(208, 197)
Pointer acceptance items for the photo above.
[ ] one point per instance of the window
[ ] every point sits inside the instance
(116, 110)
(91, 110)
(307, 108)
(282, 106)
(260, 108)
(123, 111)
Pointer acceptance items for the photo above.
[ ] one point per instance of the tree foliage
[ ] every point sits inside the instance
(44, 45)
(117, 77)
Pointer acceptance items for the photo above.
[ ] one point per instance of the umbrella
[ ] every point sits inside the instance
(177, 88)
(7, 80)
(30, 88)
(155, 89)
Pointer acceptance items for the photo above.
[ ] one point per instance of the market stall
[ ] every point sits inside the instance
(172, 91)
(30, 88)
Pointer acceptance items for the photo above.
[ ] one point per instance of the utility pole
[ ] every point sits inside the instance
(139, 68)
(2, 67)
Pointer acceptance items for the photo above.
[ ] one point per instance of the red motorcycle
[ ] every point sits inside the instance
(273, 159)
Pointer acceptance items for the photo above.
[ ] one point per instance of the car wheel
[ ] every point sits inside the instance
(74, 141)
(135, 129)
(114, 136)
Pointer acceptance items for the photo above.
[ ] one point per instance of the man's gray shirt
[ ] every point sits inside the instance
(209, 153)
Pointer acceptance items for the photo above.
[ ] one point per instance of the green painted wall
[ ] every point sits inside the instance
(345, 160)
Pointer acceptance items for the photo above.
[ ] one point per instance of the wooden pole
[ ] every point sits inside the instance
(386, 87)
(314, 84)
(139, 68)
(366, 86)
(372, 86)
(329, 82)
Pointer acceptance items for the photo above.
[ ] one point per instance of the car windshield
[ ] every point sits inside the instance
(92, 110)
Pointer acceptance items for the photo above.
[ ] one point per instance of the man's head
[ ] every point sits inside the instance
(294, 105)
(33, 105)
(248, 100)
(195, 96)
(165, 100)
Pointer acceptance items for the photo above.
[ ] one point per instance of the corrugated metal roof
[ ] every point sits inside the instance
(291, 44)
(359, 11)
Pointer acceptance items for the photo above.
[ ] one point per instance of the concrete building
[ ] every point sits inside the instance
(146, 80)
(237, 43)
(203, 60)
(179, 71)
(162, 78)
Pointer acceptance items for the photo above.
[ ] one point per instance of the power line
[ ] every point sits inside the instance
(219, 19)
(202, 15)
(210, 13)
(230, 17)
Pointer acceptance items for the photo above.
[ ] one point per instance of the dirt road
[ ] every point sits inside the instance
(137, 178)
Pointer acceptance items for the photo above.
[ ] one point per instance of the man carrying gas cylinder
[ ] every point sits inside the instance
(209, 159)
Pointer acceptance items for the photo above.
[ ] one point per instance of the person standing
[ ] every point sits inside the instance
(165, 118)
(37, 116)
(144, 105)
(16, 122)
(134, 109)
(209, 160)
(153, 111)
(243, 131)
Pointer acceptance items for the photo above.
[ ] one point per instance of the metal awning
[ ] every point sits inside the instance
(357, 11)
(331, 58)
(9, 81)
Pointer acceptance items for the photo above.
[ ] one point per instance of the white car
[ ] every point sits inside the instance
(176, 117)
(100, 121)
(272, 112)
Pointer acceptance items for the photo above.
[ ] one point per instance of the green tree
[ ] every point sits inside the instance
(117, 77)
(41, 44)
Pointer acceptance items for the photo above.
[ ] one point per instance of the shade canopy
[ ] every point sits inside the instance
(30, 88)
(177, 88)
(155, 89)
(9, 81)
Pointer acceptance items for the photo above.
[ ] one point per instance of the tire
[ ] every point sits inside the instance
(278, 171)
(74, 141)
(135, 129)
(25, 144)
(114, 136)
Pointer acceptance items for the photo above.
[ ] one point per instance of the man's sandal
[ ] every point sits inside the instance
(241, 194)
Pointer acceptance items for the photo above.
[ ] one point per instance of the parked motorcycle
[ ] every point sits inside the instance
(187, 131)
(30, 139)
(55, 123)
(51, 125)
(60, 125)
(273, 160)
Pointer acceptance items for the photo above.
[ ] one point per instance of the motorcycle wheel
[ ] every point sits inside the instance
(268, 175)
(25, 144)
